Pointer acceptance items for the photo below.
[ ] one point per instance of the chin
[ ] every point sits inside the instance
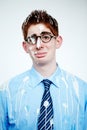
(41, 62)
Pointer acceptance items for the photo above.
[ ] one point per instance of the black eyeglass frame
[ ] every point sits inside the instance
(41, 38)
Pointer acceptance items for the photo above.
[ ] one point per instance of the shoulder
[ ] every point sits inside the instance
(15, 81)
(73, 79)
(75, 84)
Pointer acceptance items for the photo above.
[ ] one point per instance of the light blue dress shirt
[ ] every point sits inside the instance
(20, 100)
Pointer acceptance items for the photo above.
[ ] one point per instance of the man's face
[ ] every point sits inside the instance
(41, 52)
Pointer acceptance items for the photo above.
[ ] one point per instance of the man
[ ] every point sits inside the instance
(25, 101)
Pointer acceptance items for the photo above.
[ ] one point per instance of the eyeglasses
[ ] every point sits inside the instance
(45, 38)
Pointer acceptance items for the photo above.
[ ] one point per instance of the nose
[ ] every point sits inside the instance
(38, 45)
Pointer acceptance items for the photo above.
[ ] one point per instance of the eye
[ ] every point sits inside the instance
(31, 39)
(45, 38)
(28, 40)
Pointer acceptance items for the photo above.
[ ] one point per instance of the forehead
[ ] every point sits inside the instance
(37, 29)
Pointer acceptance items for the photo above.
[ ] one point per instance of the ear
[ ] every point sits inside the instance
(25, 46)
(59, 42)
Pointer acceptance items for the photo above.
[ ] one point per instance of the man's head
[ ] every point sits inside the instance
(41, 37)
(39, 16)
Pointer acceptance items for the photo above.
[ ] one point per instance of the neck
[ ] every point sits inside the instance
(46, 70)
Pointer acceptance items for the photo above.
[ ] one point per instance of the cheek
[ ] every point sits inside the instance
(52, 46)
(30, 48)
(31, 51)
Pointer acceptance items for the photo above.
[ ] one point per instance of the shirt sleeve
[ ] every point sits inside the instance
(3, 117)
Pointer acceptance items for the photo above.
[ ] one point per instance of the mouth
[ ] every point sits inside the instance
(40, 54)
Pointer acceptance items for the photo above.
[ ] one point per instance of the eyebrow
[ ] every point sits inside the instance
(45, 32)
(42, 33)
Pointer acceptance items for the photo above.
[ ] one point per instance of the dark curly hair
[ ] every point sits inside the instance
(40, 16)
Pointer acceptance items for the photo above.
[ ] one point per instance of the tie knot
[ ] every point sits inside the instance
(47, 84)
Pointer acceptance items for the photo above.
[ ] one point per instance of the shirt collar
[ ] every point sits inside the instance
(56, 78)
(36, 77)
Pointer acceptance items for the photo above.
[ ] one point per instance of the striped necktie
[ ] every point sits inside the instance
(45, 120)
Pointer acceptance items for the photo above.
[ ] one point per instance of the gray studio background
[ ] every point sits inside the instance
(72, 18)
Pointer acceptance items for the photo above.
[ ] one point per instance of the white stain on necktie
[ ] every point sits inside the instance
(51, 122)
(46, 103)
